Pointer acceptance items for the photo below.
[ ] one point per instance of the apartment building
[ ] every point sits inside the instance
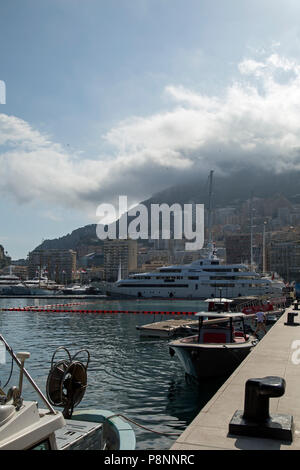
(120, 257)
(58, 265)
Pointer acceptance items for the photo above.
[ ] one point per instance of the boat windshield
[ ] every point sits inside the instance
(221, 328)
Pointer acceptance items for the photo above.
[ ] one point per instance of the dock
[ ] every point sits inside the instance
(277, 354)
(167, 328)
(181, 327)
(174, 327)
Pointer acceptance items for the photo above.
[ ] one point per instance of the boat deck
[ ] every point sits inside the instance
(167, 328)
(80, 435)
(179, 326)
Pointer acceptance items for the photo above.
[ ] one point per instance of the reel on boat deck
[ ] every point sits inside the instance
(67, 381)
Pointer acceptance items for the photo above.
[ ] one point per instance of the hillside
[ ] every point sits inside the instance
(81, 236)
(227, 190)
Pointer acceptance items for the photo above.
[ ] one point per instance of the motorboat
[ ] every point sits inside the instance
(75, 289)
(26, 426)
(41, 282)
(218, 348)
(78, 289)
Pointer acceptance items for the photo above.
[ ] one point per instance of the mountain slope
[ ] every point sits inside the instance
(227, 190)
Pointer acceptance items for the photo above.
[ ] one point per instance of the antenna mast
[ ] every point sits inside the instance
(210, 207)
(264, 248)
(251, 231)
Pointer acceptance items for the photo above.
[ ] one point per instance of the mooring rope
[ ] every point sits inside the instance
(143, 427)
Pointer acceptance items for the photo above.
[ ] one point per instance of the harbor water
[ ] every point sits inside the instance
(133, 376)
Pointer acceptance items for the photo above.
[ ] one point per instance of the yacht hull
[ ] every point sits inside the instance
(22, 290)
(188, 293)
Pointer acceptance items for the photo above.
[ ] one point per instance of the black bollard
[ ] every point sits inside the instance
(255, 420)
(290, 319)
(257, 395)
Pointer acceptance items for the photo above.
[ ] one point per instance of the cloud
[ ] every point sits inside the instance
(51, 215)
(256, 119)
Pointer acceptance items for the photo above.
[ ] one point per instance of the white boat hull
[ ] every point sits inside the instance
(189, 292)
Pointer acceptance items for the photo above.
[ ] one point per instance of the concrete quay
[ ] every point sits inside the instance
(277, 354)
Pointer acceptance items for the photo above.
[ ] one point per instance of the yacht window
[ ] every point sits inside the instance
(214, 270)
(224, 278)
(152, 285)
(221, 285)
(162, 270)
(43, 445)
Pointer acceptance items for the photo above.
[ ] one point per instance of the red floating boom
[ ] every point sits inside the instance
(43, 309)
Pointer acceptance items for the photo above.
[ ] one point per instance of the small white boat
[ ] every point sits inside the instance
(25, 426)
(217, 349)
(77, 289)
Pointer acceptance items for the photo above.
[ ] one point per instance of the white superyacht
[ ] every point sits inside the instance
(198, 280)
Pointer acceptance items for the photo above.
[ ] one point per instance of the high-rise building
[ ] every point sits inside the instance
(283, 257)
(16, 270)
(238, 248)
(58, 265)
(120, 256)
(4, 258)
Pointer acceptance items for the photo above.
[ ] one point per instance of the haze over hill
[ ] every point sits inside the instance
(227, 190)
(250, 120)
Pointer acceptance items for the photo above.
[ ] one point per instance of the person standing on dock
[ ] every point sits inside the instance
(261, 322)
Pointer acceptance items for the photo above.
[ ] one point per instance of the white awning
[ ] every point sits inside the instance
(220, 315)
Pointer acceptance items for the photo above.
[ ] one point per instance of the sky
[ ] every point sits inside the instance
(127, 97)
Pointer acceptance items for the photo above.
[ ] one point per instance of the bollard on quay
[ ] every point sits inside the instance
(255, 420)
